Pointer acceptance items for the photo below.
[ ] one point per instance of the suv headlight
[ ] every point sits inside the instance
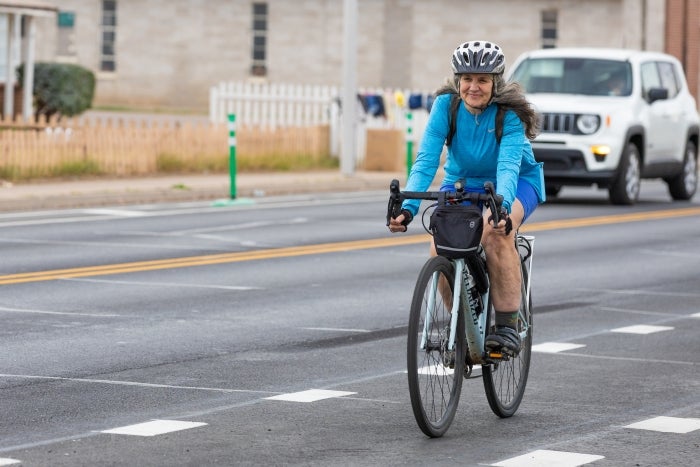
(587, 124)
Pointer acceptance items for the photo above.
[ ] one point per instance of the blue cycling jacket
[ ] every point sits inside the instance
(474, 155)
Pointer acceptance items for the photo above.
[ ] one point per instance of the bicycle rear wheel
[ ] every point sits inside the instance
(505, 381)
(434, 372)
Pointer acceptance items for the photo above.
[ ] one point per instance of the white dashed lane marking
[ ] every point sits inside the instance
(543, 457)
(8, 461)
(154, 428)
(555, 347)
(443, 370)
(668, 425)
(642, 329)
(312, 395)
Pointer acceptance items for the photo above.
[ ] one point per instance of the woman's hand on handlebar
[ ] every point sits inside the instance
(400, 222)
(505, 224)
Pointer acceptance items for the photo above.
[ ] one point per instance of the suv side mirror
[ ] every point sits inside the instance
(657, 94)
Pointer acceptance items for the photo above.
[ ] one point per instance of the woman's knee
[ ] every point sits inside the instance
(517, 214)
(494, 244)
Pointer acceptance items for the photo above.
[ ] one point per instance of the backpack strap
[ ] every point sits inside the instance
(454, 108)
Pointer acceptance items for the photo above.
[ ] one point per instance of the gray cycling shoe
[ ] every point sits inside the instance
(505, 340)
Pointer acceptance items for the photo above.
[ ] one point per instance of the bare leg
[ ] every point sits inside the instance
(443, 287)
(504, 263)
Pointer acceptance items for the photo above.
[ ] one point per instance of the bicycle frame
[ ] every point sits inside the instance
(475, 325)
(475, 321)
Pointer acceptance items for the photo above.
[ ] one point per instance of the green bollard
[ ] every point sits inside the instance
(232, 153)
(232, 168)
(409, 142)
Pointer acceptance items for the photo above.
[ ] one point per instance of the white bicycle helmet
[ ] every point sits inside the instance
(478, 57)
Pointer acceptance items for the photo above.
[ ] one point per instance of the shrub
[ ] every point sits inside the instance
(77, 169)
(61, 88)
(169, 163)
(286, 162)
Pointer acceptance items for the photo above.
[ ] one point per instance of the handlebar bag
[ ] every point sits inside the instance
(456, 229)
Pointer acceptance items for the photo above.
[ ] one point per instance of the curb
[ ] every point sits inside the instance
(182, 188)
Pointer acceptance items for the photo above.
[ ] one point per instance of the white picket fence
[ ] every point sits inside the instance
(272, 105)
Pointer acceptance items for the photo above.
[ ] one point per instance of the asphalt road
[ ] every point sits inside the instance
(273, 333)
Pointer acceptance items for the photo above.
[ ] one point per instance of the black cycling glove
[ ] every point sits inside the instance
(509, 223)
(407, 217)
(503, 215)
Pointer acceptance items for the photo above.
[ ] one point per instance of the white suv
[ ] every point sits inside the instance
(611, 117)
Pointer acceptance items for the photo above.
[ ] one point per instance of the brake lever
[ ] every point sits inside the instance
(394, 209)
(495, 202)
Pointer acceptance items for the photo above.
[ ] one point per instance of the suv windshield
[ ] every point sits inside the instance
(590, 77)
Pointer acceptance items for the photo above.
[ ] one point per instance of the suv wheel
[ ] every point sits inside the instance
(625, 187)
(683, 185)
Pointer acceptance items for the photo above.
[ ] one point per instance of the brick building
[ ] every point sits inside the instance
(167, 53)
(682, 38)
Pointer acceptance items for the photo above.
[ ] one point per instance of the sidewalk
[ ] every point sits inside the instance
(181, 188)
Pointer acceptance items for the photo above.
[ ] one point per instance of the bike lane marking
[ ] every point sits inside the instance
(668, 425)
(642, 329)
(545, 457)
(338, 247)
(555, 347)
(310, 395)
(153, 428)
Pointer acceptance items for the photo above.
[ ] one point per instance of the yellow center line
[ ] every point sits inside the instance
(394, 240)
(611, 219)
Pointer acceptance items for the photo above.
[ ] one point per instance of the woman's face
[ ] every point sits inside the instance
(476, 89)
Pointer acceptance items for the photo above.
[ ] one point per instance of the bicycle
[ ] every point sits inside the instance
(451, 315)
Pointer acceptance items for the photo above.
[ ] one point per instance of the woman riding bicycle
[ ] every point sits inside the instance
(484, 144)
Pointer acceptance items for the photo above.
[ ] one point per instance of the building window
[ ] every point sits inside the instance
(259, 51)
(66, 34)
(549, 29)
(109, 32)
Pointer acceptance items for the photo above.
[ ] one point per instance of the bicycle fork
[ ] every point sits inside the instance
(456, 294)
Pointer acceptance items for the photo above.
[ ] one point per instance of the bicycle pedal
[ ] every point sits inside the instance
(496, 355)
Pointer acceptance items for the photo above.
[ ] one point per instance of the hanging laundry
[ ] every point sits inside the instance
(400, 99)
(415, 101)
(375, 105)
(363, 102)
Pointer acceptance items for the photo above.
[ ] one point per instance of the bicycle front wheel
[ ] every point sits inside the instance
(435, 372)
(505, 381)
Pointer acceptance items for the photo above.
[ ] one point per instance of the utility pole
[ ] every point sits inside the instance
(348, 149)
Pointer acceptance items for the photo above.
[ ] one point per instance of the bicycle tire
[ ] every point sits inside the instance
(505, 381)
(434, 387)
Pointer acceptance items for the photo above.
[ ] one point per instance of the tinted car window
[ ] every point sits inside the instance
(650, 77)
(668, 78)
(585, 76)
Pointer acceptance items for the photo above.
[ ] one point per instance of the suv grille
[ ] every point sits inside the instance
(557, 123)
